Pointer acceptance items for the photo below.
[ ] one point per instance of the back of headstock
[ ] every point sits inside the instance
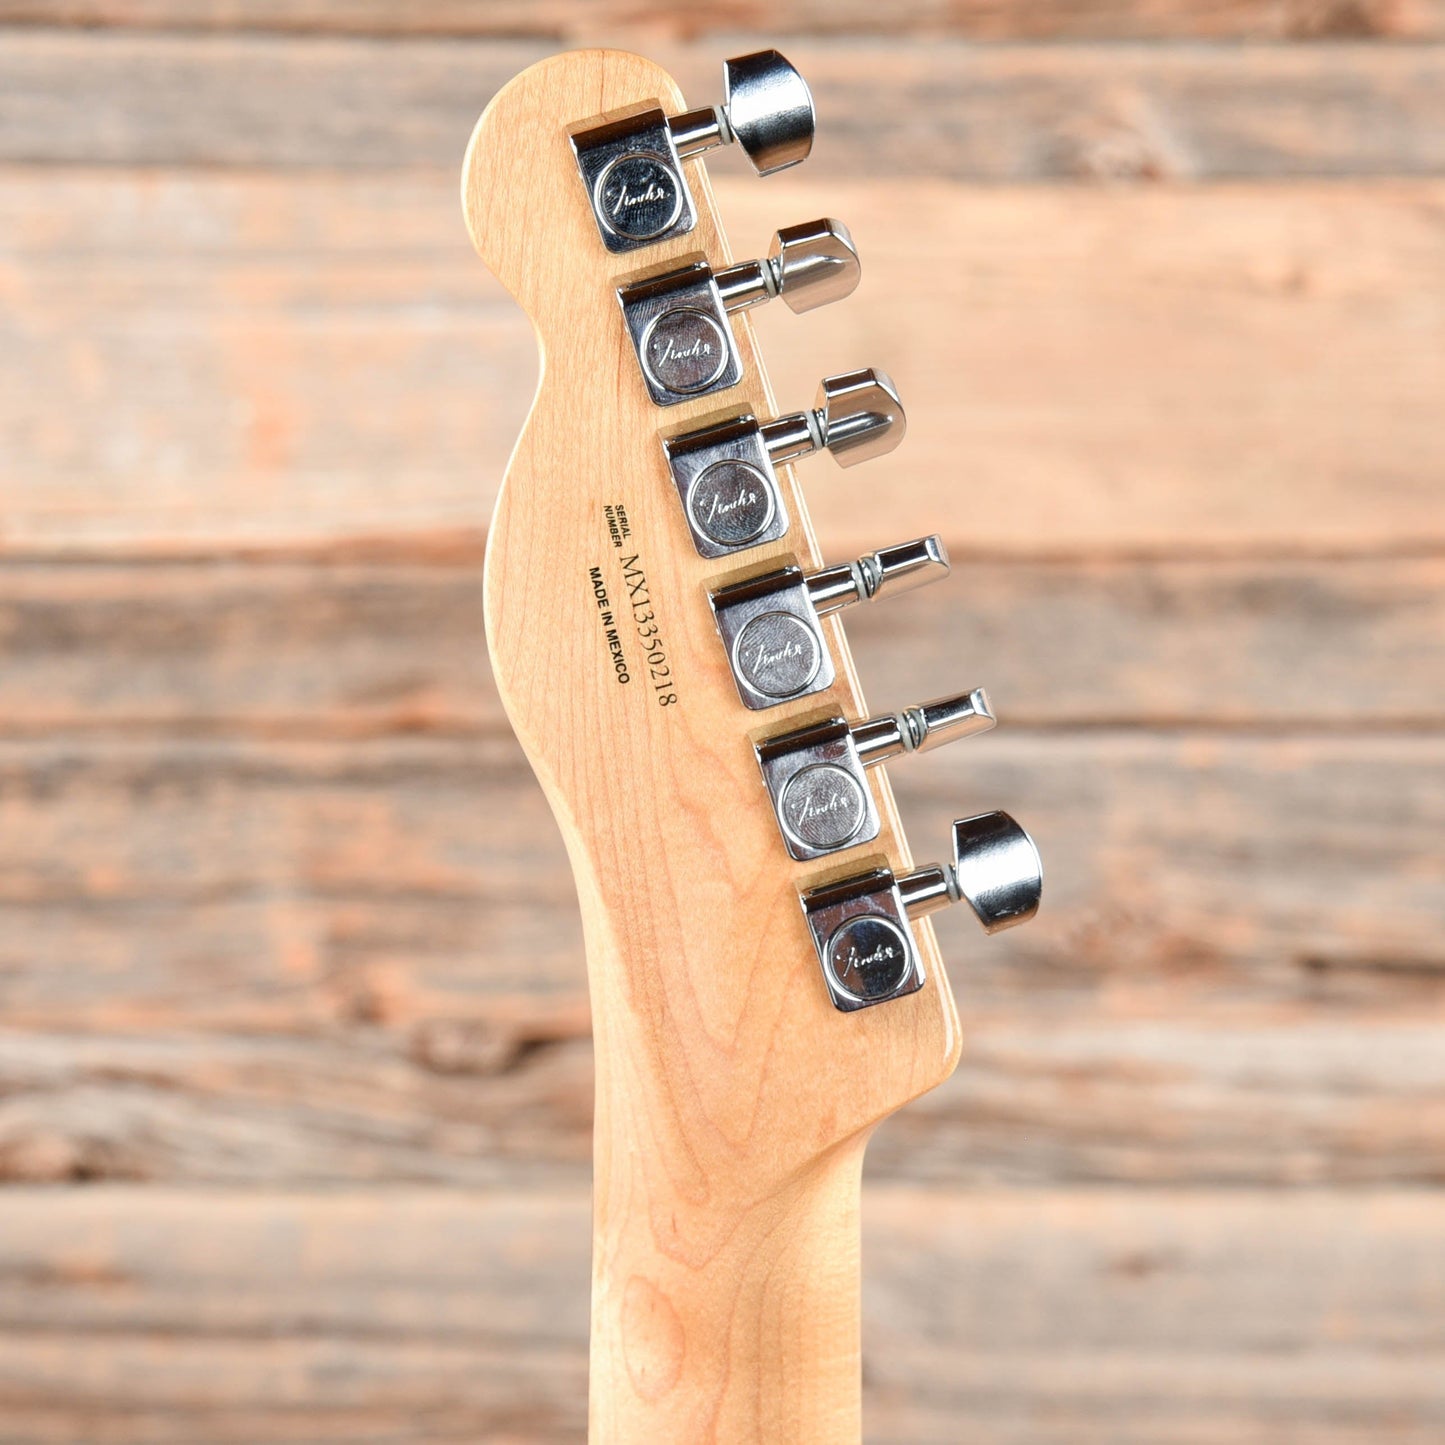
(663, 634)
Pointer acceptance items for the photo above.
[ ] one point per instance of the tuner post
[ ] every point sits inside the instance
(815, 775)
(725, 473)
(862, 926)
(632, 166)
(770, 623)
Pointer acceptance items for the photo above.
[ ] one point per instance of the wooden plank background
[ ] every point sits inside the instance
(294, 1058)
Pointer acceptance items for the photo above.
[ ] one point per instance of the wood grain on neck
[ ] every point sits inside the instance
(733, 1102)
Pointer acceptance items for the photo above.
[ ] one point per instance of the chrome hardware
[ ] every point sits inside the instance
(883, 573)
(808, 265)
(633, 174)
(996, 870)
(815, 774)
(861, 925)
(679, 326)
(724, 473)
(860, 929)
(632, 164)
(820, 796)
(729, 490)
(677, 319)
(925, 727)
(858, 416)
(769, 622)
(769, 627)
(766, 109)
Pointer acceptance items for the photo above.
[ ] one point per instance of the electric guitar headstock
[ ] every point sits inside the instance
(765, 983)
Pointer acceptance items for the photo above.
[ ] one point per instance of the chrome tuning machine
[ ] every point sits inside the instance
(770, 626)
(725, 475)
(678, 319)
(815, 774)
(861, 926)
(632, 164)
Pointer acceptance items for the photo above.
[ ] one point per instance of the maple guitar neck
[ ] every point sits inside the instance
(735, 1092)
(726, 1316)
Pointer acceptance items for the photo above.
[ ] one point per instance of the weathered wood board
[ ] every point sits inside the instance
(273, 964)
(349, 648)
(387, 1316)
(297, 362)
(890, 107)
(294, 1046)
(586, 22)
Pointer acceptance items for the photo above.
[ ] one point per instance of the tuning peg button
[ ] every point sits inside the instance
(632, 165)
(886, 572)
(770, 625)
(862, 926)
(678, 318)
(858, 416)
(815, 774)
(925, 727)
(724, 473)
(767, 109)
(808, 265)
(996, 869)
